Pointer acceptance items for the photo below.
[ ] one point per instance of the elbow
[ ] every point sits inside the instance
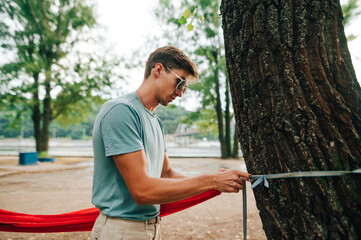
(141, 199)
(143, 193)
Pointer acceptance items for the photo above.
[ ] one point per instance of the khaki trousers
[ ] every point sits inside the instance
(109, 228)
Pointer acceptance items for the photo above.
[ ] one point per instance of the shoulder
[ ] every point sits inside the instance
(120, 108)
(126, 102)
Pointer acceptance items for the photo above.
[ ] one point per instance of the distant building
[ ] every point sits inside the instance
(184, 135)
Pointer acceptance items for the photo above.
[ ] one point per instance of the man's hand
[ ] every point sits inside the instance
(230, 181)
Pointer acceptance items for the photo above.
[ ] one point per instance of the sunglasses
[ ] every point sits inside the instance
(182, 82)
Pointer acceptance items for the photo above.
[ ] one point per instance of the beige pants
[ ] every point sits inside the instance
(108, 228)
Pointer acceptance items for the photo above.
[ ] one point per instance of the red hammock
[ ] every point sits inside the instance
(82, 220)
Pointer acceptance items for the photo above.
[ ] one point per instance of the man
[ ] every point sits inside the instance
(132, 173)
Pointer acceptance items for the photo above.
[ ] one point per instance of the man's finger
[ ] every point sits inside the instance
(244, 175)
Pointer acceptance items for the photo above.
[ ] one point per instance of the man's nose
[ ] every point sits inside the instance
(179, 92)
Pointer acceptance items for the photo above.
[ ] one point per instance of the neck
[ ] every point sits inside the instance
(147, 97)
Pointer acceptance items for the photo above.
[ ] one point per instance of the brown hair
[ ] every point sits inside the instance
(171, 57)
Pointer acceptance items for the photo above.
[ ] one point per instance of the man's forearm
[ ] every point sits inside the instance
(166, 190)
(173, 174)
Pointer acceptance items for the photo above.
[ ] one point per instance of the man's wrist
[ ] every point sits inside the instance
(208, 181)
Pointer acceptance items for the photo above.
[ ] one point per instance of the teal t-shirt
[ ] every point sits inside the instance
(124, 125)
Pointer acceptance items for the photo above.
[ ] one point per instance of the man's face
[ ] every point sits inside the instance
(174, 85)
(182, 82)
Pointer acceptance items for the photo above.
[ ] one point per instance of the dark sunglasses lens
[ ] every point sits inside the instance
(181, 84)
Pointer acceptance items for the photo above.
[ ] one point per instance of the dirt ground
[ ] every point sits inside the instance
(65, 190)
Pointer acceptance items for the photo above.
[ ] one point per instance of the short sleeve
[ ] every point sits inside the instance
(121, 131)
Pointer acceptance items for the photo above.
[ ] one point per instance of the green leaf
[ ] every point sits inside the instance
(351, 37)
(190, 27)
(182, 20)
(186, 13)
(201, 18)
(194, 12)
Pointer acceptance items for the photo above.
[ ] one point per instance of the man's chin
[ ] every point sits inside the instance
(164, 103)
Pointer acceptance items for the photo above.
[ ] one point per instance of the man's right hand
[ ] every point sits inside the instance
(230, 181)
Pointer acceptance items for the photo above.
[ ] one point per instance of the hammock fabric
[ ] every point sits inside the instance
(82, 220)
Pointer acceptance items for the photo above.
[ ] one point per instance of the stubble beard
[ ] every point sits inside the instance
(162, 101)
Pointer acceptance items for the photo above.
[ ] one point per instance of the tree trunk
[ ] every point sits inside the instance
(218, 108)
(44, 145)
(298, 105)
(36, 116)
(220, 118)
(227, 117)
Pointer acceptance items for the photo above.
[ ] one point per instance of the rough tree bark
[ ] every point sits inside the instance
(297, 106)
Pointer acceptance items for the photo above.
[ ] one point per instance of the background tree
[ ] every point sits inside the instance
(350, 11)
(49, 79)
(170, 117)
(205, 44)
(298, 108)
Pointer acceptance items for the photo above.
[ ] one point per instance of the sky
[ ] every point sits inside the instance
(127, 27)
(128, 23)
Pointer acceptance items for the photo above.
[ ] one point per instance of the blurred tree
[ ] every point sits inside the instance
(25, 130)
(45, 77)
(170, 117)
(206, 45)
(297, 104)
(350, 11)
(205, 119)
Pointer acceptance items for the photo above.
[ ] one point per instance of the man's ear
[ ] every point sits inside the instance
(157, 69)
